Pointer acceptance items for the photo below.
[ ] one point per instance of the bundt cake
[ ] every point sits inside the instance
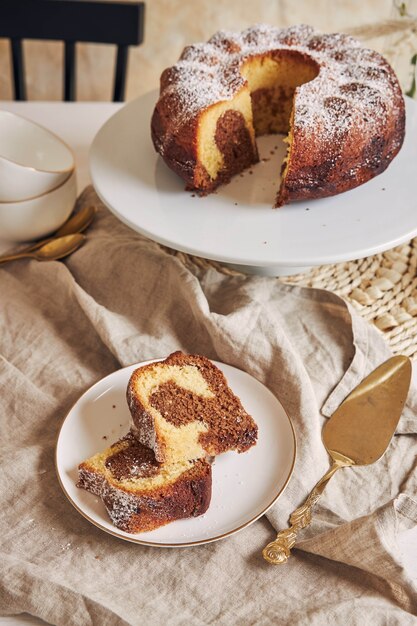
(340, 105)
(182, 408)
(141, 494)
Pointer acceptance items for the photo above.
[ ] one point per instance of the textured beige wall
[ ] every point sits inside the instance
(170, 25)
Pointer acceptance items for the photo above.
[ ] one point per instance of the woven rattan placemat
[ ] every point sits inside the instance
(382, 288)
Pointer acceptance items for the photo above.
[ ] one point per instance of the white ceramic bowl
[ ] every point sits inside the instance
(40, 216)
(33, 161)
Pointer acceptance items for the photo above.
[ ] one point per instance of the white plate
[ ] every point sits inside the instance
(237, 224)
(245, 485)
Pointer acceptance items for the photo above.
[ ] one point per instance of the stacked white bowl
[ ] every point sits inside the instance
(37, 179)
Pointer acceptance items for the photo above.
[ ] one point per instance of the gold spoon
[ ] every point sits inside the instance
(358, 433)
(50, 251)
(76, 223)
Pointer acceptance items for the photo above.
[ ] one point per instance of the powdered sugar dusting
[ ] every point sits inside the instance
(354, 85)
(135, 503)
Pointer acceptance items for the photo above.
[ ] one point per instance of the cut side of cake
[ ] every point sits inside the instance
(183, 409)
(141, 494)
(339, 104)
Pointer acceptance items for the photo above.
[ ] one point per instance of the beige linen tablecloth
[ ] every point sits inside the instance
(122, 299)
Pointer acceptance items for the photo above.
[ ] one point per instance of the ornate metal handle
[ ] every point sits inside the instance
(279, 550)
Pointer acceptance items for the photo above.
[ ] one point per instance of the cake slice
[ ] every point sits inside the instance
(141, 494)
(183, 409)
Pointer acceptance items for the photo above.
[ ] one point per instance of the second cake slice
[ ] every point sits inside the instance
(183, 409)
(141, 494)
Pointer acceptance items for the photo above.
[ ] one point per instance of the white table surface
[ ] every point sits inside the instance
(77, 123)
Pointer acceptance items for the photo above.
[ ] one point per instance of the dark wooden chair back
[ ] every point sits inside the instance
(119, 23)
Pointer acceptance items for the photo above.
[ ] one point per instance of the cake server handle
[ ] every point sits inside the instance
(279, 550)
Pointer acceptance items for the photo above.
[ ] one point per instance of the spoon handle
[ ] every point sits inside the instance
(279, 550)
(14, 257)
(24, 251)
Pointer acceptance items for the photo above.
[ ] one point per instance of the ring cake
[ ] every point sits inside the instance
(182, 408)
(141, 494)
(339, 104)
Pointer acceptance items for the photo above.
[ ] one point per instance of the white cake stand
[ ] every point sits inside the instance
(237, 225)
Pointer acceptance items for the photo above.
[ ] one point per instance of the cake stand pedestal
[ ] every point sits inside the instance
(271, 271)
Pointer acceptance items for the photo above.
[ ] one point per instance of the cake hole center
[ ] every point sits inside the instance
(226, 134)
(272, 83)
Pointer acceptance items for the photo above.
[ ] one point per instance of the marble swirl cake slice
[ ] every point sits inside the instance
(141, 494)
(183, 408)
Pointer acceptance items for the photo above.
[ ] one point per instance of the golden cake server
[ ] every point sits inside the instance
(358, 433)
